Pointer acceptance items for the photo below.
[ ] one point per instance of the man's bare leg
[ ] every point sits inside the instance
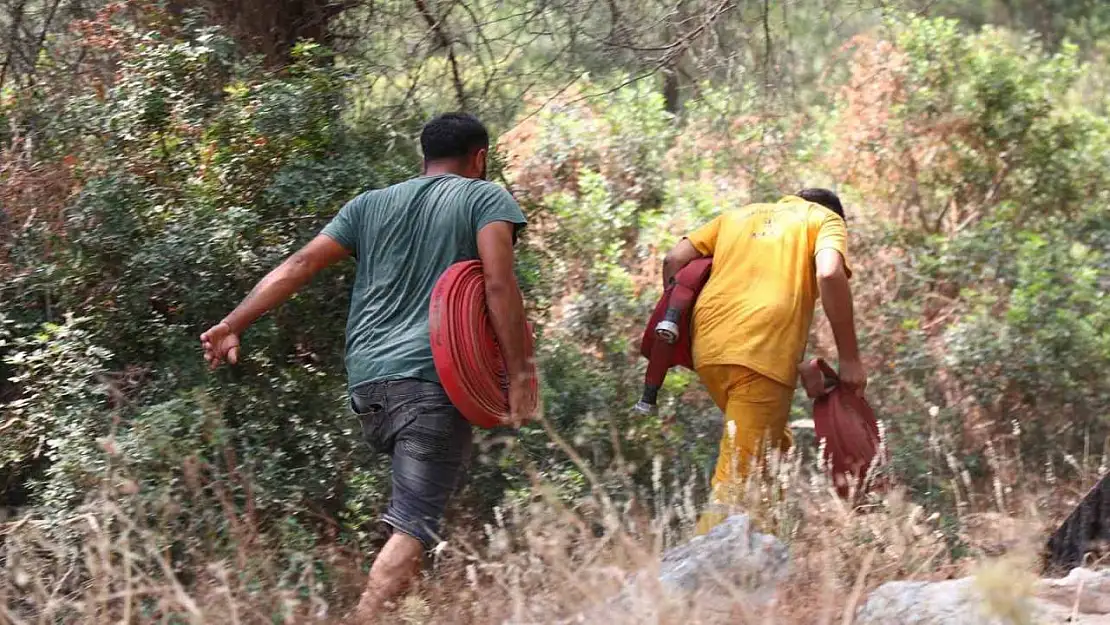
(391, 574)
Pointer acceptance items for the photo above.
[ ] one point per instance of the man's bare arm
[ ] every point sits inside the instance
(281, 283)
(506, 306)
(221, 341)
(506, 311)
(679, 256)
(836, 299)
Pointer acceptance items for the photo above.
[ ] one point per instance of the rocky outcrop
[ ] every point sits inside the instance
(706, 580)
(709, 570)
(1083, 597)
(732, 575)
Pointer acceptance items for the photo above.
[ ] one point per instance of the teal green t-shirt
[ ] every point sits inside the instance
(403, 238)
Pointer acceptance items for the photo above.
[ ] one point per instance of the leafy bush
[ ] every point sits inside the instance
(198, 174)
(144, 197)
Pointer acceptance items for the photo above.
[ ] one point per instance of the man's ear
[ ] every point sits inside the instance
(479, 164)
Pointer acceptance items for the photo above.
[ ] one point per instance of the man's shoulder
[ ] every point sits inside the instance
(791, 205)
(490, 196)
(800, 211)
(803, 206)
(746, 210)
(367, 197)
(371, 197)
(485, 188)
(445, 188)
(468, 187)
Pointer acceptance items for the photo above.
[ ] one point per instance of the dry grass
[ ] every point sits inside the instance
(539, 562)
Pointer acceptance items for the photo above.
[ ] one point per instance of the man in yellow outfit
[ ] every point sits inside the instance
(752, 318)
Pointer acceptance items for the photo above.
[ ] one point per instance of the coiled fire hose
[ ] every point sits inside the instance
(667, 338)
(465, 350)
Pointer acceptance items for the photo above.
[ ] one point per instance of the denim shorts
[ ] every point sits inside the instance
(429, 443)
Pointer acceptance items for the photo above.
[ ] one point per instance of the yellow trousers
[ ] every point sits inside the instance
(756, 410)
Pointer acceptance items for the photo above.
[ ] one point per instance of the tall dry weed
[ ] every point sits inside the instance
(546, 560)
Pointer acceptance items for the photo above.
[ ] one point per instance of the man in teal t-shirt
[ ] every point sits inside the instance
(403, 238)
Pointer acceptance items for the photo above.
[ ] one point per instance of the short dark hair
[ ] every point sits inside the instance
(453, 135)
(825, 198)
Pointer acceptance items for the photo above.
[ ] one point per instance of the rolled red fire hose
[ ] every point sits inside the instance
(667, 340)
(465, 350)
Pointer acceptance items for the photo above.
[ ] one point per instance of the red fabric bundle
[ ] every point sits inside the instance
(847, 424)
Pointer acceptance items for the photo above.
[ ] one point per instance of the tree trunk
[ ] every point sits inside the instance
(671, 90)
(271, 28)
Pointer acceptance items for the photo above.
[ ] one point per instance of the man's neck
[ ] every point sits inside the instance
(440, 168)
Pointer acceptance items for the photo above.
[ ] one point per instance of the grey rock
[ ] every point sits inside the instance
(705, 580)
(1083, 597)
(730, 557)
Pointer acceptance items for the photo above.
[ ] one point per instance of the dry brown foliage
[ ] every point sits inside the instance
(540, 562)
(884, 154)
(32, 197)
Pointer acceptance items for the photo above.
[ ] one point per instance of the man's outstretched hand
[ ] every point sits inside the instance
(220, 344)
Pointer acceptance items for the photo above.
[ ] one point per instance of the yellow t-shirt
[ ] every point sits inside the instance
(758, 304)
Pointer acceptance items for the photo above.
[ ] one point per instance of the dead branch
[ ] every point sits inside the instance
(673, 50)
(445, 42)
(17, 20)
(41, 40)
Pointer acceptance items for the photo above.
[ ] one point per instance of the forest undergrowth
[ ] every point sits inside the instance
(539, 562)
(157, 158)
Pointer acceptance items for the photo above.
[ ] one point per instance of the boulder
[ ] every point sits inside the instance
(728, 559)
(705, 580)
(1083, 597)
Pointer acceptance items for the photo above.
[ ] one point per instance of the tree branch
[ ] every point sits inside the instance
(767, 39)
(17, 19)
(446, 42)
(41, 41)
(673, 51)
